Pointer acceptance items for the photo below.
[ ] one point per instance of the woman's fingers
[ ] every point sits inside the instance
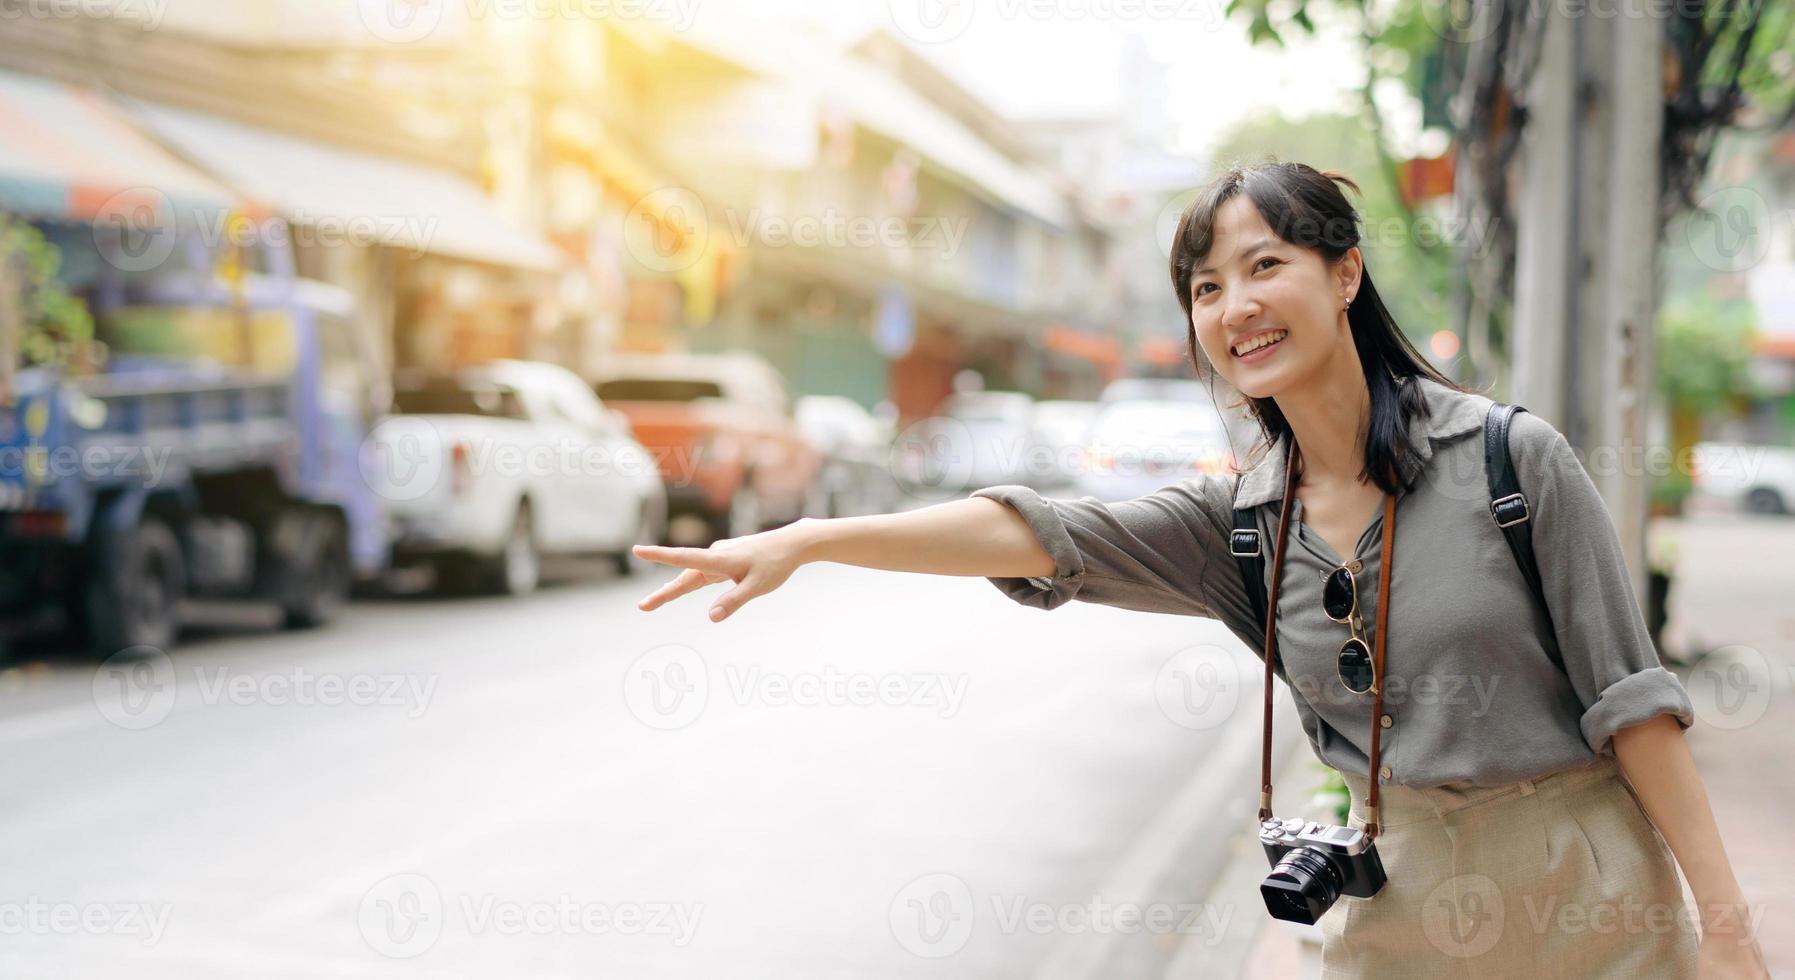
(702, 567)
(689, 580)
(701, 558)
(735, 598)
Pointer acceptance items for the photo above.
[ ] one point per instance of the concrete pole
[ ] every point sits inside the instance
(1543, 246)
(1587, 246)
(1631, 289)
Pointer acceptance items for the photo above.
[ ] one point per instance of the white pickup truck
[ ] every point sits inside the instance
(1760, 479)
(487, 471)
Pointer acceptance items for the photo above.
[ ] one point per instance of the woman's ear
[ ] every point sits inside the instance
(1347, 273)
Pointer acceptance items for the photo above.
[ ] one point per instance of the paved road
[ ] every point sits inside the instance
(865, 775)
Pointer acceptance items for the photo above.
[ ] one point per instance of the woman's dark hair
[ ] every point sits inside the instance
(1306, 207)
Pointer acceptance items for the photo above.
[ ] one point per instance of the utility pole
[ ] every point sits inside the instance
(1587, 250)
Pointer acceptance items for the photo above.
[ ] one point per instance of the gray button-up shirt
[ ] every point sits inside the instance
(1471, 684)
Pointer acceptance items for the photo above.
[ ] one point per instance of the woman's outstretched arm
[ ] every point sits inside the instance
(976, 536)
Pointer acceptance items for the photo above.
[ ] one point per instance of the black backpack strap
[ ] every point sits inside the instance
(1247, 546)
(1508, 505)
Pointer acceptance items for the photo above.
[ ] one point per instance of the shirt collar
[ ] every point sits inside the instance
(1451, 414)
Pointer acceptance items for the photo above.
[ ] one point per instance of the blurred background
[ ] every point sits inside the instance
(347, 347)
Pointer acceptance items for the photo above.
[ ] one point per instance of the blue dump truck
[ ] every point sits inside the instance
(218, 455)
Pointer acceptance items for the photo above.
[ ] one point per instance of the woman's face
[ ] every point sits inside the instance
(1254, 284)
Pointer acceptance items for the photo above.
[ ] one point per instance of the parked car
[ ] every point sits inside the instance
(1063, 428)
(491, 468)
(731, 454)
(976, 439)
(1136, 448)
(1760, 479)
(1241, 428)
(1155, 390)
(856, 446)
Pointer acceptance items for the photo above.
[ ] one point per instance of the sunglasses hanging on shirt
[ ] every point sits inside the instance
(1340, 601)
(1360, 664)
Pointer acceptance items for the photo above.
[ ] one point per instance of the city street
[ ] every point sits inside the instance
(862, 775)
(347, 351)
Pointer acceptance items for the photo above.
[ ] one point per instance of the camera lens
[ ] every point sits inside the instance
(1302, 886)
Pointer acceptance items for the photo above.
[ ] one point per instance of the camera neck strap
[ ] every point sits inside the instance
(1387, 558)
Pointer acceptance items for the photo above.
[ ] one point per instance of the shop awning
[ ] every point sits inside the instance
(357, 196)
(69, 154)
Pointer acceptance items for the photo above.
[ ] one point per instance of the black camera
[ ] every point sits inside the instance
(1313, 864)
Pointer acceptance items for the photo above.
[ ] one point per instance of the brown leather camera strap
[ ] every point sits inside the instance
(1385, 561)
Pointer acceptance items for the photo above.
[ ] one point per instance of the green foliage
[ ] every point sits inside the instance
(1399, 36)
(1666, 493)
(1767, 75)
(1333, 794)
(1704, 349)
(57, 327)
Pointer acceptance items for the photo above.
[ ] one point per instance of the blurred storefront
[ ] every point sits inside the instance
(591, 185)
(422, 247)
(880, 228)
(321, 178)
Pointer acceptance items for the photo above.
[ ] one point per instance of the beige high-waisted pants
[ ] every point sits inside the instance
(1560, 876)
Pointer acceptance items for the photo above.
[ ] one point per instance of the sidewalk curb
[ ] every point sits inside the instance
(1255, 945)
(1194, 823)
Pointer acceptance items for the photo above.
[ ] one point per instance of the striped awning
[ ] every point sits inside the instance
(70, 155)
(386, 201)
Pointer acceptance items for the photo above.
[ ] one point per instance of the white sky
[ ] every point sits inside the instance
(1069, 61)
(1025, 58)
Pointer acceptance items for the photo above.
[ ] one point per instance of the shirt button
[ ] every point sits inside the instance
(1386, 721)
(1384, 772)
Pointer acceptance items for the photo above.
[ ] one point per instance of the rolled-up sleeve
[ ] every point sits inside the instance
(1607, 648)
(1166, 552)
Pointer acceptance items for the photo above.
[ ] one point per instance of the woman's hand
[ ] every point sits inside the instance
(756, 563)
(1731, 952)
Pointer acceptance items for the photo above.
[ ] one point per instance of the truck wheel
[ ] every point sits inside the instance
(1763, 500)
(459, 575)
(517, 569)
(133, 591)
(319, 578)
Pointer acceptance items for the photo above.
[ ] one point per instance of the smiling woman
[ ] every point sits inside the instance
(1267, 268)
(1531, 737)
